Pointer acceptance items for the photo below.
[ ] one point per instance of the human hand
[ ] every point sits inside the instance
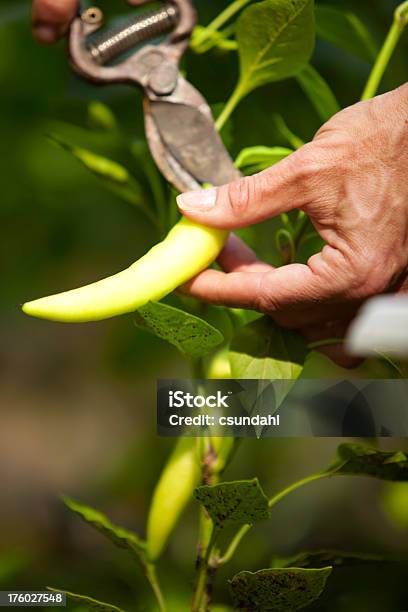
(352, 182)
(51, 18)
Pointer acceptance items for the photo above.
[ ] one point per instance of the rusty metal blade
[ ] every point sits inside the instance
(184, 142)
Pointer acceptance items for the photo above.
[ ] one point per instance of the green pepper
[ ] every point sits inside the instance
(188, 249)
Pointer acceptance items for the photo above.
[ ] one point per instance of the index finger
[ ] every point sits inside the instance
(51, 18)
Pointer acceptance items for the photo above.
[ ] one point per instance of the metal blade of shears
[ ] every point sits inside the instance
(179, 125)
(184, 141)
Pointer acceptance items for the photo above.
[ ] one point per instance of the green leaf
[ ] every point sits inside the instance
(345, 30)
(318, 365)
(118, 535)
(242, 316)
(255, 159)
(241, 502)
(275, 40)
(190, 334)
(221, 318)
(111, 175)
(265, 350)
(360, 460)
(102, 167)
(323, 558)
(100, 116)
(90, 602)
(318, 92)
(280, 590)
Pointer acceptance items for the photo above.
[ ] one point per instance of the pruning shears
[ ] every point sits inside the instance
(179, 125)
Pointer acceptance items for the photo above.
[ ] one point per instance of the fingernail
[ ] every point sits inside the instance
(45, 33)
(201, 200)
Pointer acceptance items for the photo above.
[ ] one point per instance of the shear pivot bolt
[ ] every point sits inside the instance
(93, 16)
(163, 78)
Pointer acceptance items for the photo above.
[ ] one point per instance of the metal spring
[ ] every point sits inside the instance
(122, 38)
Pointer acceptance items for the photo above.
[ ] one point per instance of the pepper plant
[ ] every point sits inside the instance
(273, 40)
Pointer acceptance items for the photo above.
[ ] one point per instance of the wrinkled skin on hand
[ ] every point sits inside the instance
(352, 182)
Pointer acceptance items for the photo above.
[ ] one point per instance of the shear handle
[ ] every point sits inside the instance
(136, 68)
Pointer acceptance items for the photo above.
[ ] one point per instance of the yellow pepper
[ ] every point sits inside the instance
(173, 491)
(188, 249)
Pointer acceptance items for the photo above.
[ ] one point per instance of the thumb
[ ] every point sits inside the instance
(253, 198)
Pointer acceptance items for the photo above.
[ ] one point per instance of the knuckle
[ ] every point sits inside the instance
(353, 274)
(308, 166)
(347, 119)
(369, 277)
(265, 301)
(241, 194)
(310, 162)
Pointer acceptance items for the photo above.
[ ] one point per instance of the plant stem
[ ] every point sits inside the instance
(273, 500)
(286, 249)
(301, 226)
(392, 363)
(197, 368)
(293, 238)
(229, 107)
(229, 553)
(327, 342)
(286, 132)
(221, 19)
(228, 45)
(208, 533)
(151, 575)
(227, 14)
(296, 485)
(200, 590)
(399, 22)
